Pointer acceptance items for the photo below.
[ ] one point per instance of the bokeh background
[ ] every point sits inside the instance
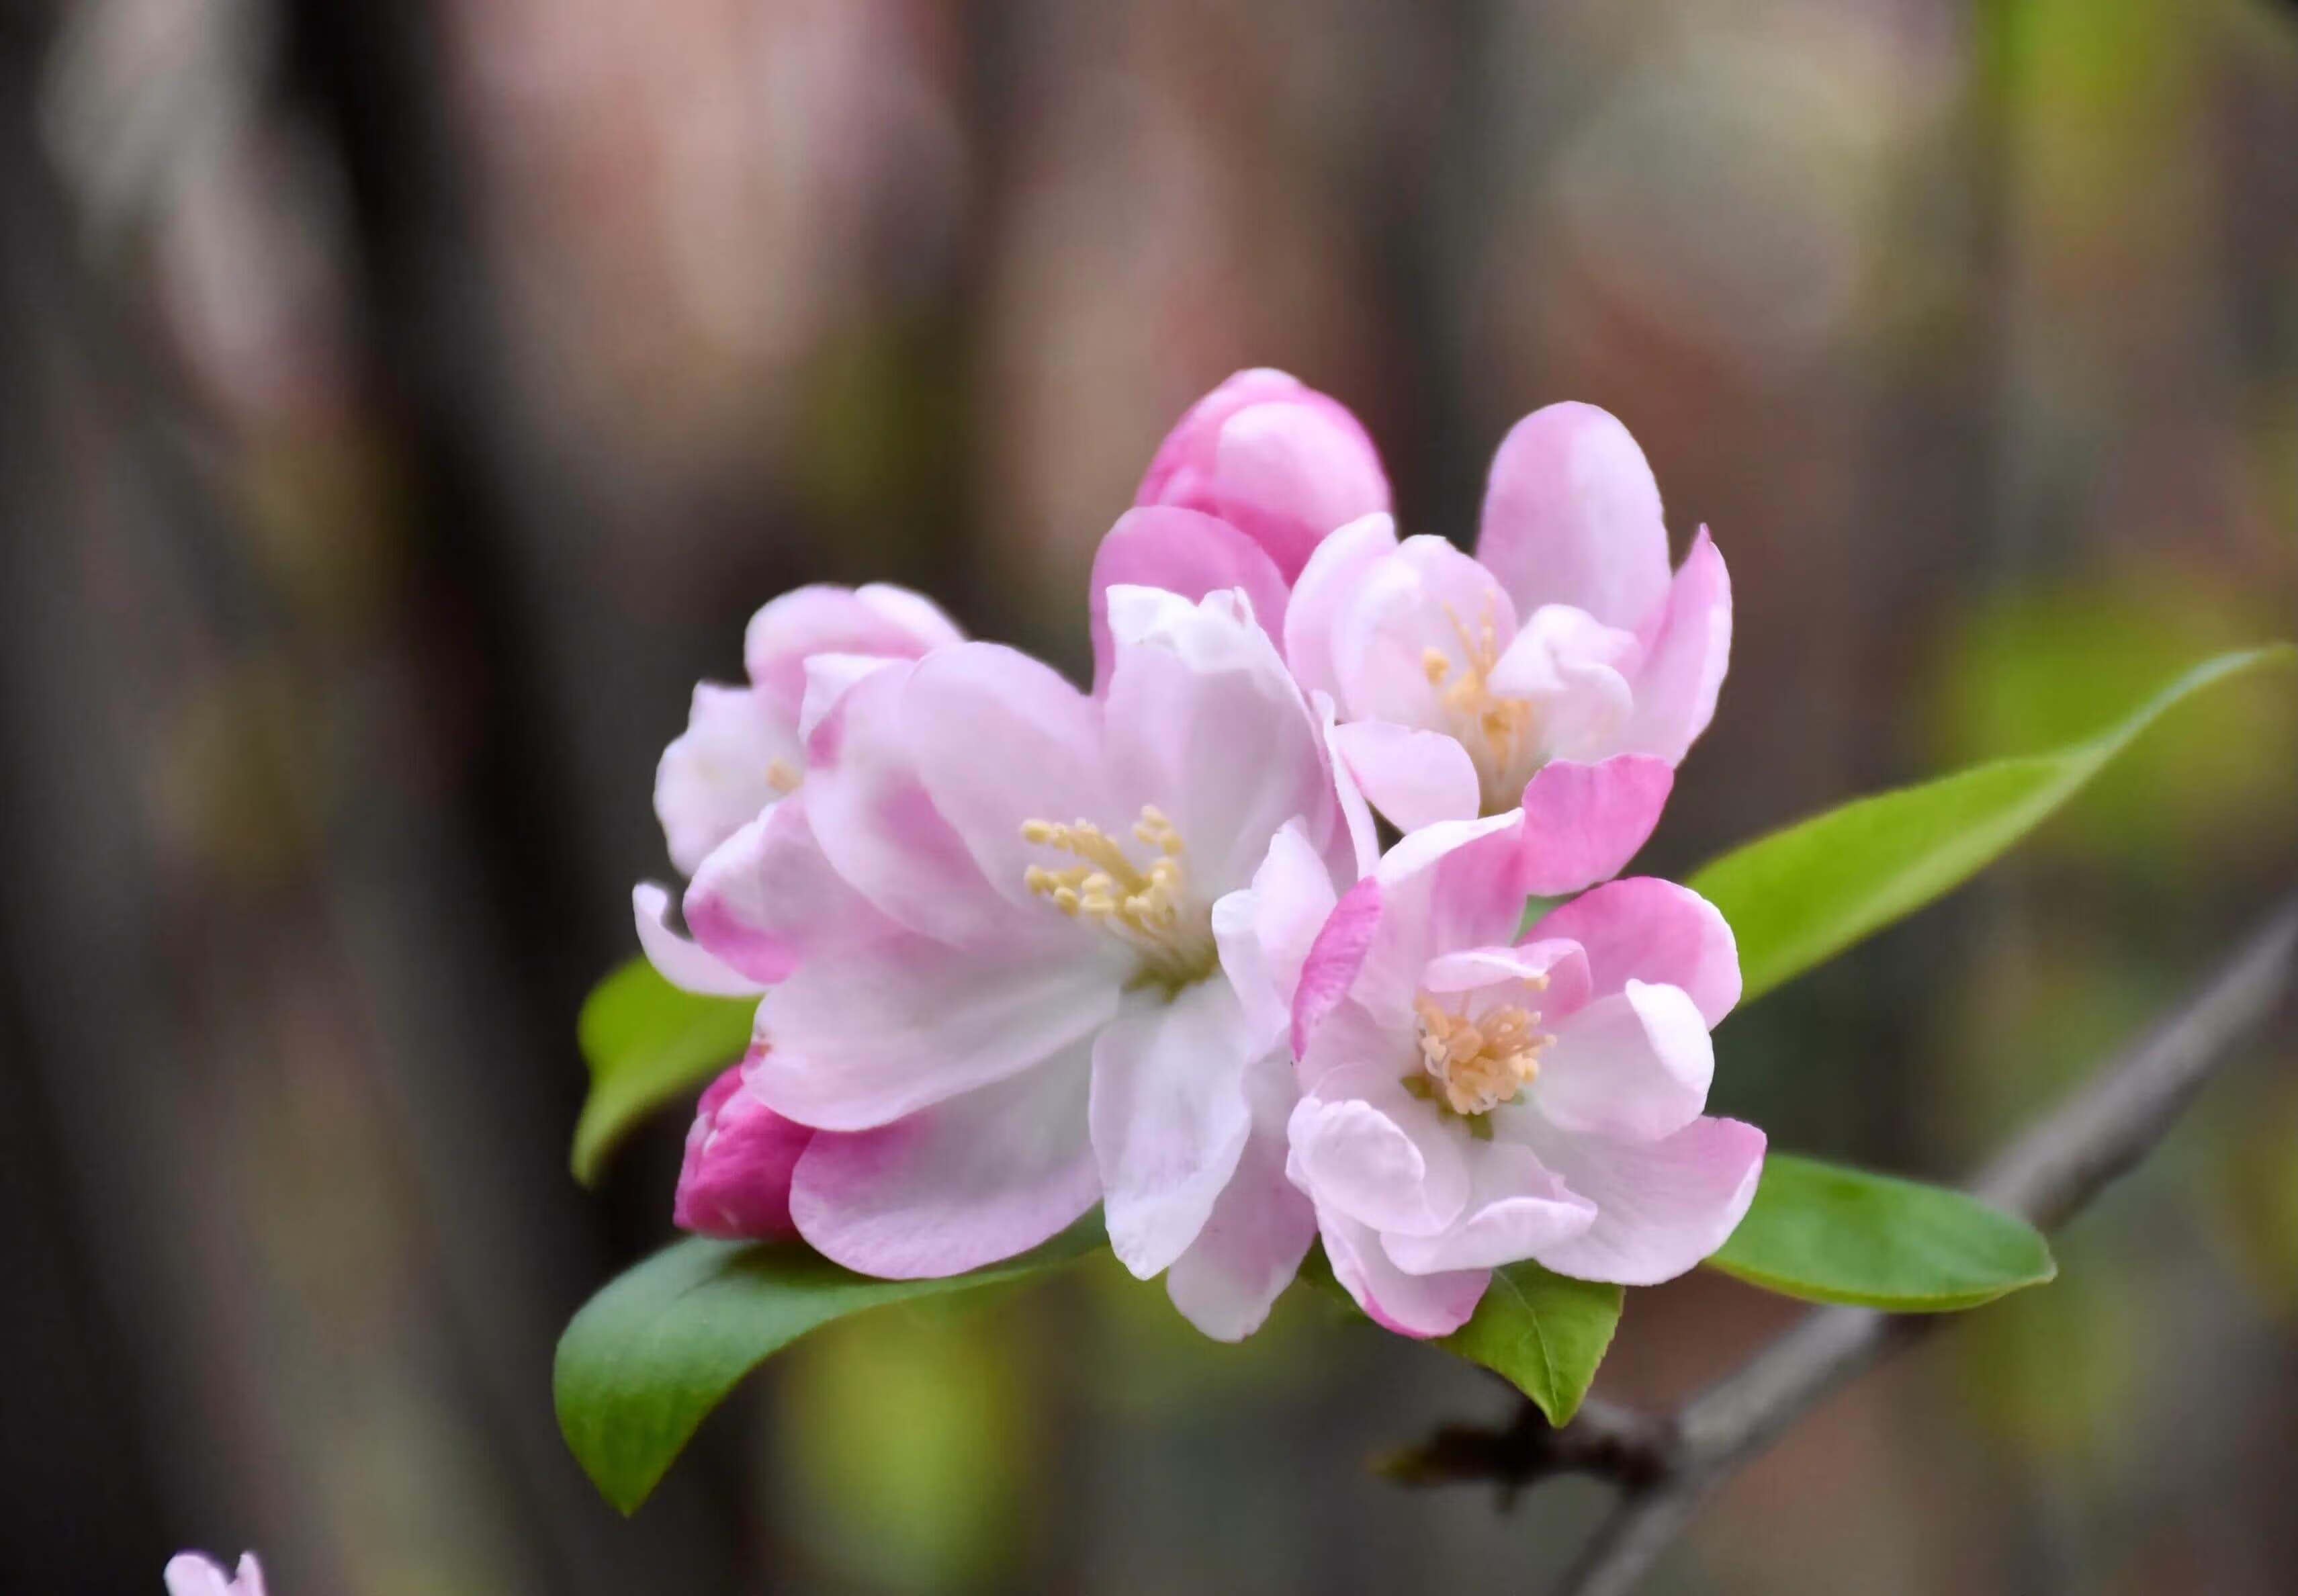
(401, 405)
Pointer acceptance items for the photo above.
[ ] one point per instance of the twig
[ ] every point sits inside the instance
(1665, 1465)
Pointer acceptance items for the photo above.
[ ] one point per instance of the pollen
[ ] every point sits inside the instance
(1147, 906)
(1478, 1064)
(1496, 730)
(784, 777)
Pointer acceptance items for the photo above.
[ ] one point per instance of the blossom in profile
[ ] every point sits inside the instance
(1565, 637)
(189, 1574)
(1471, 1099)
(743, 750)
(1011, 994)
(735, 1182)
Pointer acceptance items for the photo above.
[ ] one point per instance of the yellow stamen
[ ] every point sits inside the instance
(1479, 1064)
(782, 777)
(1494, 729)
(1150, 909)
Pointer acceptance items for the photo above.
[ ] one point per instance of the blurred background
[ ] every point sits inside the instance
(402, 405)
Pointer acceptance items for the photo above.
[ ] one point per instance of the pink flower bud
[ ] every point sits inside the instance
(736, 1181)
(1279, 461)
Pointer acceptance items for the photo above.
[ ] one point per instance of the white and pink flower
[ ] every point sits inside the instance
(744, 748)
(1001, 922)
(1458, 679)
(1471, 1099)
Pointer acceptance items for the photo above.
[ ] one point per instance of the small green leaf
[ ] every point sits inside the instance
(1545, 1333)
(1828, 1234)
(1800, 896)
(647, 1357)
(647, 1042)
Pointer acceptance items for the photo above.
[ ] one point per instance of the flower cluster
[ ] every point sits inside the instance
(1020, 949)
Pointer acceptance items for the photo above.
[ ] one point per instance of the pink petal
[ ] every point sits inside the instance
(1635, 1066)
(1183, 552)
(1554, 974)
(830, 677)
(188, 1574)
(686, 965)
(1169, 1119)
(1572, 515)
(890, 622)
(1326, 591)
(1515, 1208)
(1583, 822)
(1415, 778)
(1362, 1146)
(1000, 738)
(1454, 884)
(1204, 721)
(1683, 667)
(884, 832)
(1645, 929)
(1335, 959)
(972, 1180)
(735, 1182)
(716, 776)
(1574, 672)
(1252, 1245)
(1660, 1206)
(1264, 931)
(878, 1032)
(1281, 462)
(1421, 1305)
(1359, 831)
(769, 897)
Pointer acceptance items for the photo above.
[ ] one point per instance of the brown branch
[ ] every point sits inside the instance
(1665, 1465)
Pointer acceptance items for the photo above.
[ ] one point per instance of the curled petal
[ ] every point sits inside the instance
(1252, 1243)
(1684, 663)
(1364, 1147)
(1660, 1206)
(1516, 1207)
(686, 965)
(890, 622)
(1572, 515)
(1419, 1305)
(1184, 552)
(1635, 1066)
(1645, 929)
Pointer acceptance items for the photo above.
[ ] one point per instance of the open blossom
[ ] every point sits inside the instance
(735, 1182)
(744, 749)
(188, 1574)
(1009, 995)
(1471, 1100)
(1565, 637)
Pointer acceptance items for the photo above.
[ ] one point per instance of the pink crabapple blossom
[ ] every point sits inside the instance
(189, 1574)
(1032, 949)
(1565, 636)
(743, 750)
(1471, 1099)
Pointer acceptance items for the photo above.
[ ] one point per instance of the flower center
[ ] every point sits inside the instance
(1478, 1064)
(1149, 909)
(1496, 730)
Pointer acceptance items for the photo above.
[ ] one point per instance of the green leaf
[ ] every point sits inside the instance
(1828, 1234)
(647, 1357)
(1545, 1333)
(647, 1042)
(1800, 896)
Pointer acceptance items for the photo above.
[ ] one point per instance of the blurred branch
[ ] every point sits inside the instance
(1665, 1465)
